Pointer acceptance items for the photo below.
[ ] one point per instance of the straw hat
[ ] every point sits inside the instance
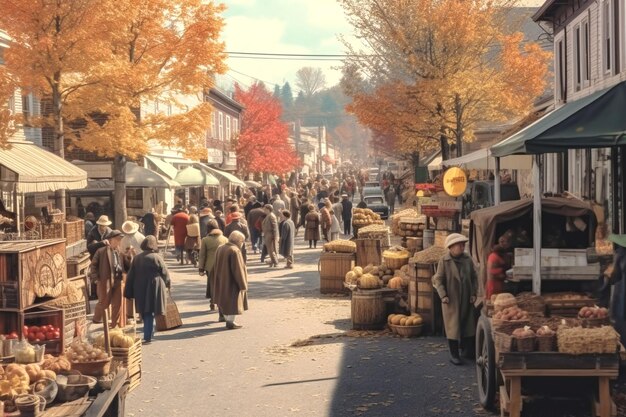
(455, 238)
(104, 221)
(129, 227)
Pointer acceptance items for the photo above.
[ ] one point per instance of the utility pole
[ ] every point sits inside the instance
(319, 143)
(297, 139)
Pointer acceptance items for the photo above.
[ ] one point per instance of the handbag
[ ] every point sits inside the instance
(171, 319)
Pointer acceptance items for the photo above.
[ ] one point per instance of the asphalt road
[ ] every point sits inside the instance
(295, 356)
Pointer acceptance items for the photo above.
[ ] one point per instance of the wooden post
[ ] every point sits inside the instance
(105, 327)
(496, 183)
(537, 225)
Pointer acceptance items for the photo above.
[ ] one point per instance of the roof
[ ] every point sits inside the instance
(31, 169)
(226, 99)
(545, 12)
(594, 121)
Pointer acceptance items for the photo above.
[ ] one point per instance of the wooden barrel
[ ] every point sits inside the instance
(333, 270)
(368, 310)
(414, 244)
(368, 251)
(429, 238)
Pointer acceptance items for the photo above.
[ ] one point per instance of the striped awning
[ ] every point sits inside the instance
(27, 168)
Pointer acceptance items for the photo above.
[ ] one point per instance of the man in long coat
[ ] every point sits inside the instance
(294, 207)
(270, 235)
(456, 283)
(238, 224)
(287, 236)
(208, 248)
(231, 284)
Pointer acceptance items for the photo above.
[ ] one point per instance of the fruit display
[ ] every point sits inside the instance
(364, 217)
(36, 373)
(411, 229)
(374, 231)
(38, 334)
(404, 320)
(504, 301)
(593, 313)
(341, 246)
(511, 313)
(82, 352)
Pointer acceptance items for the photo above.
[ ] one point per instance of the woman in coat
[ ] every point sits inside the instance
(457, 284)
(146, 282)
(231, 284)
(312, 227)
(208, 247)
(192, 241)
(326, 219)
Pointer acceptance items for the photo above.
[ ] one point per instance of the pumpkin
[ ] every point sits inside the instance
(350, 277)
(396, 319)
(395, 282)
(126, 341)
(390, 318)
(358, 271)
(368, 281)
(368, 268)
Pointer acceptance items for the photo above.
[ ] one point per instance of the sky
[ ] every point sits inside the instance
(286, 26)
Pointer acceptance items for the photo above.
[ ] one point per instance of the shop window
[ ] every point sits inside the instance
(607, 36)
(560, 82)
(220, 127)
(134, 198)
(228, 132)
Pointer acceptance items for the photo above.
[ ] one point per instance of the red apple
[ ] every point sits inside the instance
(56, 334)
(50, 335)
(33, 329)
(40, 335)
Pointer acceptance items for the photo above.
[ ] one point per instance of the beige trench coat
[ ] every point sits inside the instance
(459, 287)
(231, 280)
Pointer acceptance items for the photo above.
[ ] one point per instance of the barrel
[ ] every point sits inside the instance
(333, 270)
(429, 238)
(368, 310)
(414, 244)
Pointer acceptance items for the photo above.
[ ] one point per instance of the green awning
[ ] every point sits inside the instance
(194, 177)
(594, 121)
(222, 175)
(162, 167)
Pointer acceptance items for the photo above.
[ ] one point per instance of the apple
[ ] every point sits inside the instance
(50, 335)
(40, 335)
(12, 335)
(33, 329)
(31, 337)
(56, 334)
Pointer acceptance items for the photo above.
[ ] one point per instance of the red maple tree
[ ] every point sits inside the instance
(262, 145)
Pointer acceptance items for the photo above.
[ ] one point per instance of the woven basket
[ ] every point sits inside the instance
(525, 344)
(407, 331)
(395, 263)
(503, 342)
(596, 322)
(95, 368)
(546, 343)
(508, 325)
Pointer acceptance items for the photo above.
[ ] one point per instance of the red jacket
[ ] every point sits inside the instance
(179, 223)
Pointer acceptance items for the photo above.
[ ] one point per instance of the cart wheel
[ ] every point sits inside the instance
(485, 364)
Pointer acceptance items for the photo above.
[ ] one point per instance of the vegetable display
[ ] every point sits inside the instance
(341, 246)
(404, 320)
(593, 313)
(511, 313)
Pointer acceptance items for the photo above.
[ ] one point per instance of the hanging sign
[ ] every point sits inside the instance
(454, 182)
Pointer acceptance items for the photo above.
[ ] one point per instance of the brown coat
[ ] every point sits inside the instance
(312, 226)
(458, 281)
(102, 264)
(231, 280)
(270, 228)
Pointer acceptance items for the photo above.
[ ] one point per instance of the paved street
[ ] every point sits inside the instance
(296, 356)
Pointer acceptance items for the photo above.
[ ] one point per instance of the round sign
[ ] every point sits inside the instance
(454, 182)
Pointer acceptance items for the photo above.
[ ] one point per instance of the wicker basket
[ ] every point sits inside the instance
(525, 344)
(503, 342)
(407, 331)
(595, 322)
(395, 263)
(508, 325)
(51, 230)
(546, 343)
(95, 368)
(69, 331)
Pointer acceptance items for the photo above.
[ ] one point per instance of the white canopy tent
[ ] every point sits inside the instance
(483, 159)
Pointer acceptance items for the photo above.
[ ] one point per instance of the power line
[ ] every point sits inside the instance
(250, 76)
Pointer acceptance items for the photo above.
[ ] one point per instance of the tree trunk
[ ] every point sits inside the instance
(458, 111)
(445, 146)
(415, 160)
(119, 192)
(59, 136)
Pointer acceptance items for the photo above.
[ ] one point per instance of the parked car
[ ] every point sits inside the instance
(369, 191)
(376, 203)
(374, 184)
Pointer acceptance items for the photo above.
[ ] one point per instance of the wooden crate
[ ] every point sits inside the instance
(368, 251)
(78, 265)
(131, 359)
(44, 315)
(31, 269)
(74, 230)
(51, 230)
(333, 270)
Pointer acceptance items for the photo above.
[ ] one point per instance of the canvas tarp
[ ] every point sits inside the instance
(485, 221)
(594, 121)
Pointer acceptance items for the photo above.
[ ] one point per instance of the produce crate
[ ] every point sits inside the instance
(131, 359)
(44, 315)
(51, 230)
(333, 269)
(31, 269)
(74, 230)
(368, 251)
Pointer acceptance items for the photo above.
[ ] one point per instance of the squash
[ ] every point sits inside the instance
(396, 319)
(368, 268)
(395, 282)
(126, 342)
(390, 318)
(369, 281)
(350, 277)
(403, 321)
(358, 271)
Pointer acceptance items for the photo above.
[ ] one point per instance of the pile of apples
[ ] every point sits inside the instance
(37, 334)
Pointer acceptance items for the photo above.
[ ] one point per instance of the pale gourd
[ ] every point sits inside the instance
(350, 277)
(396, 319)
(368, 268)
(368, 281)
(390, 318)
(403, 321)
(395, 283)
(358, 271)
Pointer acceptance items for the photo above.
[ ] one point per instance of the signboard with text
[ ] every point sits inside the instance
(214, 156)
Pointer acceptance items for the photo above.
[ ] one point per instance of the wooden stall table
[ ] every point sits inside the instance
(515, 365)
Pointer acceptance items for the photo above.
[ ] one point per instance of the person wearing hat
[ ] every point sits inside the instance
(456, 283)
(131, 242)
(231, 280)
(312, 227)
(237, 223)
(147, 281)
(97, 236)
(270, 234)
(107, 269)
(150, 223)
(287, 238)
(616, 275)
(214, 239)
(90, 222)
(205, 215)
(233, 208)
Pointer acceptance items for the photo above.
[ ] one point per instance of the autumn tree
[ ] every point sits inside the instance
(262, 146)
(310, 80)
(55, 47)
(8, 119)
(430, 70)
